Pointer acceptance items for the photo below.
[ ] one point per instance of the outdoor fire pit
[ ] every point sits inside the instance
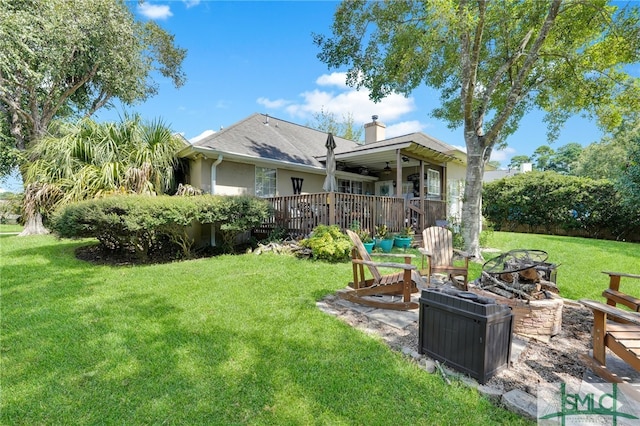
(524, 280)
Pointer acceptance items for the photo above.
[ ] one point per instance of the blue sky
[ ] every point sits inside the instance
(258, 56)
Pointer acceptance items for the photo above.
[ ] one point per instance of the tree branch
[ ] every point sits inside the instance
(475, 59)
(515, 94)
(504, 68)
(98, 103)
(67, 93)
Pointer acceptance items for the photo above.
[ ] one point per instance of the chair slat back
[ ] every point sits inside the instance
(439, 242)
(364, 254)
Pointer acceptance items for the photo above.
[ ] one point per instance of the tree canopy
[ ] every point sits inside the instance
(492, 62)
(327, 122)
(608, 158)
(71, 57)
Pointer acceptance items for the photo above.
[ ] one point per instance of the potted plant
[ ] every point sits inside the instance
(383, 239)
(364, 236)
(367, 241)
(403, 240)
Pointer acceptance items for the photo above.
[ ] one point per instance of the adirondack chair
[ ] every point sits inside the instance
(615, 296)
(438, 251)
(614, 328)
(366, 291)
(617, 330)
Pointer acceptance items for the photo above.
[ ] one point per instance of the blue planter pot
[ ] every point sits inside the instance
(402, 242)
(385, 245)
(369, 246)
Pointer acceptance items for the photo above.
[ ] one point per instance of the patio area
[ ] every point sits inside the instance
(535, 366)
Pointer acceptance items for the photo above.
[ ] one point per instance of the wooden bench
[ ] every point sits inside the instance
(617, 330)
(615, 296)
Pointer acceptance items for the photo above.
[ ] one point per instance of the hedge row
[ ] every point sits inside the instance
(143, 224)
(548, 202)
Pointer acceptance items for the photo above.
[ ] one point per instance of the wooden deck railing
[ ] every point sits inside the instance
(299, 214)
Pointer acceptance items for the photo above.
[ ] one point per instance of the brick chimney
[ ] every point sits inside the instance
(374, 131)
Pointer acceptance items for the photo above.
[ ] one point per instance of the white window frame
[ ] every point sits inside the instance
(434, 184)
(266, 179)
(350, 186)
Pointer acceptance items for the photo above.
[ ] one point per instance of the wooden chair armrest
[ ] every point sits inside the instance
(612, 312)
(620, 274)
(424, 251)
(407, 255)
(620, 297)
(462, 253)
(385, 264)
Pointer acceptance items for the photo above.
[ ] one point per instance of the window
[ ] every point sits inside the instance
(265, 182)
(349, 186)
(433, 182)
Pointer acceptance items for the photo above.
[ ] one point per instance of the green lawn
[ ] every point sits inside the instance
(581, 261)
(226, 340)
(10, 228)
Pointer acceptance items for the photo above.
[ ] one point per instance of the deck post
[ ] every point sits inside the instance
(331, 201)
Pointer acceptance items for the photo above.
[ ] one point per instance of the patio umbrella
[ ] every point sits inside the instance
(330, 184)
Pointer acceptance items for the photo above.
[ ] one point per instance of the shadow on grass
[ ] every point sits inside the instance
(138, 359)
(84, 345)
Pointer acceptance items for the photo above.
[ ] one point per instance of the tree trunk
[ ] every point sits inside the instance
(472, 205)
(33, 221)
(34, 226)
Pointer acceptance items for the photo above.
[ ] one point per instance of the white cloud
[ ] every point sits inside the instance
(502, 155)
(201, 136)
(191, 3)
(354, 102)
(154, 11)
(275, 104)
(333, 96)
(404, 128)
(338, 79)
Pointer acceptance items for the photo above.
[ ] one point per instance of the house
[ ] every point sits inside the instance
(378, 181)
(491, 175)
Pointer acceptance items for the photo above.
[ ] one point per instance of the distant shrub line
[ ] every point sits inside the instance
(547, 202)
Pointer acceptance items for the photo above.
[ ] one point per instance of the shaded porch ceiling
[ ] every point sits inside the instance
(375, 158)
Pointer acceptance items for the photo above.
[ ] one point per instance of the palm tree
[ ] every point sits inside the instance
(98, 159)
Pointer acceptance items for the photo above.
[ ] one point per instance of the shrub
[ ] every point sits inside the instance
(328, 243)
(144, 224)
(548, 201)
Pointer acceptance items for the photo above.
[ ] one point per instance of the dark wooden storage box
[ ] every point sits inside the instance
(471, 337)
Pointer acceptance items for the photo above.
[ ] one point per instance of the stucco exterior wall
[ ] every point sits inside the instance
(312, 183)
(235, 178)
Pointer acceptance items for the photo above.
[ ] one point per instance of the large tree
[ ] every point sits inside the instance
(518, 160)
(492, 62)
(628, 180)
(61, 58)
(608, 158)
(543, 156)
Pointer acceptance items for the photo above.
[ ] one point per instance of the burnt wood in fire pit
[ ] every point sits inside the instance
(519, 273)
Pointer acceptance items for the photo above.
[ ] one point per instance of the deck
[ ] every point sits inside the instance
(299, 214)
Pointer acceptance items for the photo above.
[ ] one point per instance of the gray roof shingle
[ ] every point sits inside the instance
(262, 136)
